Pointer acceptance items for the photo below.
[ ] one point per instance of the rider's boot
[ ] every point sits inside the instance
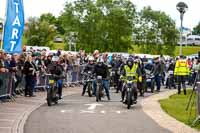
(108, 98)
(135, 98)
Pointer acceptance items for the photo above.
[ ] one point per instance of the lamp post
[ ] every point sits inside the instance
(182, 8)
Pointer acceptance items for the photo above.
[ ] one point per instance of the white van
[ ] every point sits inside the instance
(193, 40)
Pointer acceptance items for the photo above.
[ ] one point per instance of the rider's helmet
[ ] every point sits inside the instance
(130, 62)
(55, 58)
(100, 61)
(91, 59)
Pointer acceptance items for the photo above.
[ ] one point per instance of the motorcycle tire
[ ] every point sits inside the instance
(97, 94)
(129, 100)
(89, 90)
(152, 86)
(49, 97)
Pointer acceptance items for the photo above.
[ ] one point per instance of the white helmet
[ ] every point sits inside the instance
(90, 58)
(55, 58)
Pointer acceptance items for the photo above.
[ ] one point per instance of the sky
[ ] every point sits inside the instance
(34, 8)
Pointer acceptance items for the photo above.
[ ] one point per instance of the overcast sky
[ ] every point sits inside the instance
(191, 19)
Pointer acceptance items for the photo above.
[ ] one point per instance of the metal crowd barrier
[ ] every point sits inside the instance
(74, 75)
(7, 80)
(41, 81)
(6, 84)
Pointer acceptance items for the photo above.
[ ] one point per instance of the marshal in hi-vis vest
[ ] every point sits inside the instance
(131, 72)
(181, 68)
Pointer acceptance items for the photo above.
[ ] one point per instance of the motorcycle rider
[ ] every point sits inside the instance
(55, 67)
(101, 69)
(131, 69)
(141, 85)
(88, 67)
(116, 67)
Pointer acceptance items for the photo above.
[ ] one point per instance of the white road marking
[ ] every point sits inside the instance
(66, 111)
(63, 111)
(5, 127)
(7, 120)
(87, 111)
(103, 112)
(93, 106)
(118, 112)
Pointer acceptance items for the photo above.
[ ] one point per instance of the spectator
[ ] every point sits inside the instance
(29, 71)
(13, 70)
(2, 63)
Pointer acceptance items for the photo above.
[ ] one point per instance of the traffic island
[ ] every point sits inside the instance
(176, 105)
(153, 109)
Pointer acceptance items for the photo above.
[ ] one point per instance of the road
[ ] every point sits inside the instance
(76, 114)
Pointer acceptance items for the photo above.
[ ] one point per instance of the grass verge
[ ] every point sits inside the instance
(175, 106)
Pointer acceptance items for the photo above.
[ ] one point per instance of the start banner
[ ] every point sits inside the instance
(14, 27)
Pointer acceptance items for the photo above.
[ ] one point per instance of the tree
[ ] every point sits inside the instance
(156, 32)
(52, 20)
(196, 29)
(39, 33)
(49, 18)
(102, 24)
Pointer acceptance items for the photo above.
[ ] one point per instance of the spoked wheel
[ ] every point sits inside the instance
(89, 90)
(129, 100)
(49, 97)
(97, 94)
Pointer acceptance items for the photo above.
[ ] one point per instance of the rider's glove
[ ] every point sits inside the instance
(140, 78)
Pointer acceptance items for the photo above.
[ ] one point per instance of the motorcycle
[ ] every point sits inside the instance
(129, 92)
(99, 89)
(150, 82)
(114, 80)
(52, 90)
(170, 79)
(89, 83)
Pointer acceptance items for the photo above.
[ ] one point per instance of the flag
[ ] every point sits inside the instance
(14, 27)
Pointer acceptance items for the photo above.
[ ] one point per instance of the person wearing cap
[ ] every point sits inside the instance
(181, 71)
(116, 63)
(157, 72)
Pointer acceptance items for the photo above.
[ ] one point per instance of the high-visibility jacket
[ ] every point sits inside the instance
(181, 68)
(131, 72)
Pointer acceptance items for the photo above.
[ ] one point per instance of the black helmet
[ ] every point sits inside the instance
(130, 62)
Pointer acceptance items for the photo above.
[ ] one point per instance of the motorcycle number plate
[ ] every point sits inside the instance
(51, 81)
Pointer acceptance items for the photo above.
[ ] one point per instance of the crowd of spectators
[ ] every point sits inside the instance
(32, 64)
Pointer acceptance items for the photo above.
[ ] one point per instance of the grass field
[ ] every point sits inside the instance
(59, 46)
(187, 50)
(175, 106)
